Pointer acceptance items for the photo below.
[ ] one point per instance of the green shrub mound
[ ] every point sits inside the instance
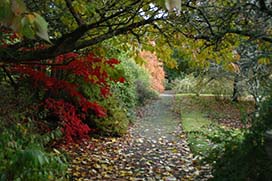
(25, 151)
(116, 122)
(144, 93)
(23, 156)
(126, 92)
(246, 158)
(121, 105)
(139, 83)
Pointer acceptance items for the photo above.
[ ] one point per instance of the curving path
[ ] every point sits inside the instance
(154, 149)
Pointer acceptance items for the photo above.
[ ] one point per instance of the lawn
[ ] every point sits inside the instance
(210, 122)
(194, 123)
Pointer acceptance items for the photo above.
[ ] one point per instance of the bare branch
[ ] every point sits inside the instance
(204, 17)
(73, 12)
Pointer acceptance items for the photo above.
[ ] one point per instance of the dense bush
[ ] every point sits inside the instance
(61, 97)
(121, 103)
(185, 85)
(71, 95)
(243, 159)
(126, 91)
(233, 154)
(144, 93)
(116, 122)
(136, 90)
(23, 156)
(221, 139)
(24, 142)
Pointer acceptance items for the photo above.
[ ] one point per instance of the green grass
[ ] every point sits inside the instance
(231, 151)
(194, 94)
(203, 133)
(194, 123)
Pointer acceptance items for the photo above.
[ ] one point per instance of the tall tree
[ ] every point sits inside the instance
(74, 25)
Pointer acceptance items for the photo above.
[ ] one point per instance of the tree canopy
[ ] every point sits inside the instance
(74, 25)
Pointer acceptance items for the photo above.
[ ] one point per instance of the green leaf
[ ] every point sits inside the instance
(27, 27)
(5, 11)
(41, 27)
(40, 159)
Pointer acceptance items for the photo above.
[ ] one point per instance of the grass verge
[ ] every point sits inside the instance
(207, 136)
(194, 123)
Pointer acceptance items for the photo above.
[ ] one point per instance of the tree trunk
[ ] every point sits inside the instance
(235, 93)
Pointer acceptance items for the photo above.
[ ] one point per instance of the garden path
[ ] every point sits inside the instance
(155, 148)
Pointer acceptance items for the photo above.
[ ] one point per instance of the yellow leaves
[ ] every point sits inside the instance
(22, 128)
(139, 60)
(100, 51)
(233, 67)
(164, 53)
(79, 6)
(125, 173)
(201, 53)
(10, 11)
(264, 61)
(59, 1)
(77, 174)
(68, 22)
(30, 18)
(113, 140)
(50, 177)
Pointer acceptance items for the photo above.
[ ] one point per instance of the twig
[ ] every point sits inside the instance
(73, 12)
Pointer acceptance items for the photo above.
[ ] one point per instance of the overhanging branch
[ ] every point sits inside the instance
(32, 56)
(113, 33)
(251, 35)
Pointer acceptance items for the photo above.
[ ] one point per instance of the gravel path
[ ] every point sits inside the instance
(154, 149)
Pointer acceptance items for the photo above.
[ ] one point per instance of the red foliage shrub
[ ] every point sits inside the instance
(155, 69)
(72, 126)
(72, 110)
(7, 37)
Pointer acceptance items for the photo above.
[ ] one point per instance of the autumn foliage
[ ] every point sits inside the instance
(61, 94)
(155, 69)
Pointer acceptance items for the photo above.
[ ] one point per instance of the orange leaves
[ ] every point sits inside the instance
(155, 69)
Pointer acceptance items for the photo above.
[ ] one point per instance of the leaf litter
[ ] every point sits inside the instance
(155, 148)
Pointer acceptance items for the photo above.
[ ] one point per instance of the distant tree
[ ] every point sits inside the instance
(254, 70)
(182, 67)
